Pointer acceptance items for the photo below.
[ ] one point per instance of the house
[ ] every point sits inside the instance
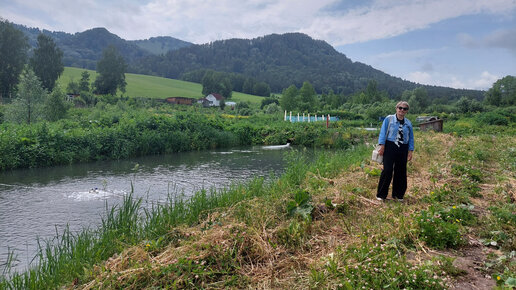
(434, 124)
(211, 100)
(180, 100)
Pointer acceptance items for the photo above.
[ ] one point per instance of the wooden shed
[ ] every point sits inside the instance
(435, 124)
(180, 100)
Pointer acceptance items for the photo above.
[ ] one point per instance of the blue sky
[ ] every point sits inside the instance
(455, 43)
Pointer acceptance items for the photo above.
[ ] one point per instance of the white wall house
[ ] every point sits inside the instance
(214, 99)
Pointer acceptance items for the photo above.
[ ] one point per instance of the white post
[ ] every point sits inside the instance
(316, 117)
(290, 116)
(285, 115)
(298, 117)
(308, 117)
(303, 117)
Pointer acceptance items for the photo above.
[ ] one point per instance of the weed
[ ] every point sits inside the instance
(379, 267)
(438, 233)
(467, 171)
(295, 235)
(301, 205)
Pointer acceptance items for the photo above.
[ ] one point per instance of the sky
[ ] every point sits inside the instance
(454, 43)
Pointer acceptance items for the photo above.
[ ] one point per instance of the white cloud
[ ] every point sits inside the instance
(207, 20)
(485, 81)
(420, 77)
(482, 82)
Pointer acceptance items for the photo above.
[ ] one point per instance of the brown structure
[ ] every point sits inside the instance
(180, 100)
(435, 124)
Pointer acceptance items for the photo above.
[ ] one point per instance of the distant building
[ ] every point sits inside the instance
(231, 105)
(211, 100)
(434, 124)
(422, 119)
(180, 100)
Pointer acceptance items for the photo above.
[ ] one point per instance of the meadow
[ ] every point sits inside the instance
(154, 87)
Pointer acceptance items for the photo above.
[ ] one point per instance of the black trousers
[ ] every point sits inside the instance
(395, 169)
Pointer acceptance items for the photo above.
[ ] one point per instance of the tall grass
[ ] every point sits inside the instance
(71, 256)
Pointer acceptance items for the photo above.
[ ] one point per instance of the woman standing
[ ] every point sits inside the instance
(397, 144)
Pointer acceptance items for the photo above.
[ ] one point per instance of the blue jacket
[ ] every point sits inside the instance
(393, 131)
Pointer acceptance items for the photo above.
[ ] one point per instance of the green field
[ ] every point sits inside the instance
(154, 87)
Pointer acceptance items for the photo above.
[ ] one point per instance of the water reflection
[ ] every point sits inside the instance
(40, 202)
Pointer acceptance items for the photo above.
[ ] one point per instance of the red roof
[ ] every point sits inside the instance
(217, 96)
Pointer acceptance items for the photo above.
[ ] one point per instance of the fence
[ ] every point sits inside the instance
(309, 118)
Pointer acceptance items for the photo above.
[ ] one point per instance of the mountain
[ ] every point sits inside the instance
(278, 60)
(283, 60)
(161, 45)
(84, 49)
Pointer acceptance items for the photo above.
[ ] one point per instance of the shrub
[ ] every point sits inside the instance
(492, 118)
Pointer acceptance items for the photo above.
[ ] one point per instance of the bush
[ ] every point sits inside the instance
(491, 118)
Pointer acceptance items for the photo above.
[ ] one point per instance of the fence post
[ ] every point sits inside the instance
(285, 115)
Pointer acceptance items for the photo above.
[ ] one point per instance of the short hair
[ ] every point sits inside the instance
(402, 103)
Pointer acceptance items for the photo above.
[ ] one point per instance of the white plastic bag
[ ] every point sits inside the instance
(376, 157)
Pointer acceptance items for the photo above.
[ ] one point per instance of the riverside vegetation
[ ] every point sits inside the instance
(316, 226)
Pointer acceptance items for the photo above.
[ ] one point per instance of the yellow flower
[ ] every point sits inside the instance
(498, 277)
(457, 220)
(148, 245)
(454, 207)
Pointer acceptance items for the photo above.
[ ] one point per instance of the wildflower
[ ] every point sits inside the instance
(457, 220)
(148, 245)
(454, 207)
(498, 278)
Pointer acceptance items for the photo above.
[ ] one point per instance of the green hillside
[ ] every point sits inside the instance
(154, 87)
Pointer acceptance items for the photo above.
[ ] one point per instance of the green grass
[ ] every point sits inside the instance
(154, 87)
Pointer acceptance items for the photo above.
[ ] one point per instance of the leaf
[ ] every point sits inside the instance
(511, 282)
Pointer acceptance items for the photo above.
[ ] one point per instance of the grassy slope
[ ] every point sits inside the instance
(154, 87)
(360, 243)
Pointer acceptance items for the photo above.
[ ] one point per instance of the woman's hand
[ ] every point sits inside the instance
(409, 156)
(382, 149)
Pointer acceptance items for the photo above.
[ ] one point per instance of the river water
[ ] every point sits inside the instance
(42, 202)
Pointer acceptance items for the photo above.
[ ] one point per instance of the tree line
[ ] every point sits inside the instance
(29, 81)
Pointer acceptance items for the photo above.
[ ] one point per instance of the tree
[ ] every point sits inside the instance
(217, 82)
(47, 62)
(111, 72)
(13, 55)
(55, 106)
(417, 98)
(261, 89)
(84, 83)
(308, 98)
(503, 92)
(288, 98)
(28, 105)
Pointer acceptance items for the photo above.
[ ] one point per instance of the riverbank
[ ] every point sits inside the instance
(319, 225)
(108, 132)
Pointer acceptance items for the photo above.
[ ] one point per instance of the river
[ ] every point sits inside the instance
(38, 203)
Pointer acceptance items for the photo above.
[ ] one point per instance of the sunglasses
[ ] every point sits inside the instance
(403, 108)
